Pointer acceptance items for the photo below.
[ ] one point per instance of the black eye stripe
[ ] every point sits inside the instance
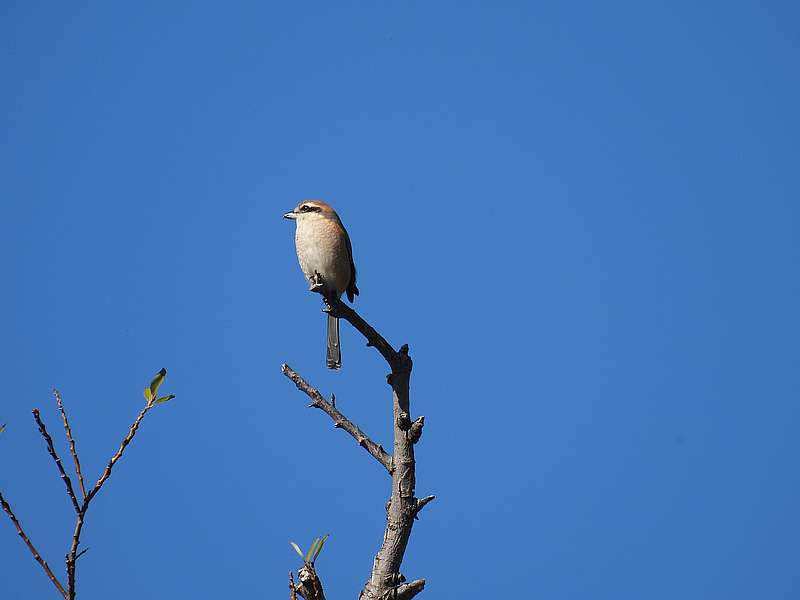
(309, 208)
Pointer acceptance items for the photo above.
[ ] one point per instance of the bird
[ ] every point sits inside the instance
(326, 259)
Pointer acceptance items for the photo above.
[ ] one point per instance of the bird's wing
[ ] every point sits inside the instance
(352, 290)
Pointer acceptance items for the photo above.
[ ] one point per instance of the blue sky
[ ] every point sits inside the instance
(582, 217)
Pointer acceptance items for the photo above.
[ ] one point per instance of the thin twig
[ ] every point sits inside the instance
(52, 451)
(318, 401)
(107, 473)
(31, 547)
(292, 590)
(71, 441)
(73, 555)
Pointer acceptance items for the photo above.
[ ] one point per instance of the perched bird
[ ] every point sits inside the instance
(326, 259)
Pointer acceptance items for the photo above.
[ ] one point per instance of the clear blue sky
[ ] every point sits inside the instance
(582, 217)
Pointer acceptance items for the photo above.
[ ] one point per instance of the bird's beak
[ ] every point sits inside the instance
(290, 215)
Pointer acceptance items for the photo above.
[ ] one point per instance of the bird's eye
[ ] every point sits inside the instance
(305, 208)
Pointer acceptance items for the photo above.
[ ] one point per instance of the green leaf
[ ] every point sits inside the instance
(157, 381)
(311, 550)
(297, 549)
(148, 395)
(166, 398)
(319, 547)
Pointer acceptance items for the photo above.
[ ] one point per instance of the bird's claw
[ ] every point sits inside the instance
(315, 283)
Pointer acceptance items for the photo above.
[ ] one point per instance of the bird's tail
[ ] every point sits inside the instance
(333, 359)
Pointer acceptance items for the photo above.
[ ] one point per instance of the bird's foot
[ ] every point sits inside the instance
(315, 283)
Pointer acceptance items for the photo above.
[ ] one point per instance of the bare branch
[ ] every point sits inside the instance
(341, 310)
(292, 590)
(340, 421)
(421, 503)
(73, 555)
(409, 590)
(415, 430)
(71, 441)
(31, 547)
(385, 579)
(107, 473)
(51, 449)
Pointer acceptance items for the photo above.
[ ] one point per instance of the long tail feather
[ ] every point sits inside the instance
(333, 359)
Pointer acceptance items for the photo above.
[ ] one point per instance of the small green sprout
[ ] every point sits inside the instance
(151, 392)
(316, 547)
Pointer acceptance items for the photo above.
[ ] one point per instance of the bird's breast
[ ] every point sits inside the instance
(321, 248)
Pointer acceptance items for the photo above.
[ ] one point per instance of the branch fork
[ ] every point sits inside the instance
(81, 506)
(385, 580)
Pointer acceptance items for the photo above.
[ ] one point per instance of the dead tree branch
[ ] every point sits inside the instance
(385, 579)
(339, 420)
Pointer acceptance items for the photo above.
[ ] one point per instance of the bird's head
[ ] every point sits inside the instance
(309, 210)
